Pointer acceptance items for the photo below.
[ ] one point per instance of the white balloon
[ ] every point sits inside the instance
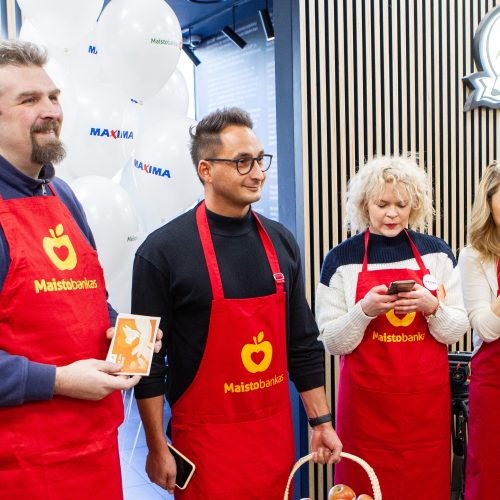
(160, 176)
(120, 289)
(80, 61)
(173, 99)
(103, 135)
(62, 22)
(139, 45)
(113, 220)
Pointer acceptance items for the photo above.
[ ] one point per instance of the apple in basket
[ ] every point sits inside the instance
(341, 492)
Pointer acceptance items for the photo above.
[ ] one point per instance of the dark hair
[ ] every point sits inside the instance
(21, 53)
(205, 136)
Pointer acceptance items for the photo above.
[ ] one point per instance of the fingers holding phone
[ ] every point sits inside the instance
(185, 468)
(377, 301)
(161, 469)
(420, 299)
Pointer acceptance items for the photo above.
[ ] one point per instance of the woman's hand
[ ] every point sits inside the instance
(377, 302)
(419, 299)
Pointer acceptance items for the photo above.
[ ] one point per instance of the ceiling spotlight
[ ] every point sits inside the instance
(234, 37)
(267, 24)
(190, 53)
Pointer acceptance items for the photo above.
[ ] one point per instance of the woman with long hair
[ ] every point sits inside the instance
(480, 268)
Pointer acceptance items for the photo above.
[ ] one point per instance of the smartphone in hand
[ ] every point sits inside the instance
(400, 286)
(185, 468)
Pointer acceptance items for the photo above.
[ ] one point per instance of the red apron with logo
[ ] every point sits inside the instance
(53, 310)
(394, 400)
(483, 458)
(234, 421)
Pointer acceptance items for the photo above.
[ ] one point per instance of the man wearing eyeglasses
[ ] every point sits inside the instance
(228, 286)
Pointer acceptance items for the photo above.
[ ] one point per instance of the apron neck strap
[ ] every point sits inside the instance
(211, 259)
(416, 253)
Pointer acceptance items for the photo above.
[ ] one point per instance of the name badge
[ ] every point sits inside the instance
(430, 282)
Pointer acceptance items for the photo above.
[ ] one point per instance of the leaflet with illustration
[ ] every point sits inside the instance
(133, 343)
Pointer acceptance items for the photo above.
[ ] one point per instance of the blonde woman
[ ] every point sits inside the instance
(394, 400)
(480, 268)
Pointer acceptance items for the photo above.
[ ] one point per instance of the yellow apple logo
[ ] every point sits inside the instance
(257, 357)
(406, 320)
(59, 249)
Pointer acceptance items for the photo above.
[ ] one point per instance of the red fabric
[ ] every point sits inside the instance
(63, 448)
(394, 401)
(234, 421)
(483, 459)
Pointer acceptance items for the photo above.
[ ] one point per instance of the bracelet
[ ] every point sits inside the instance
(313, 422)
(433, 313)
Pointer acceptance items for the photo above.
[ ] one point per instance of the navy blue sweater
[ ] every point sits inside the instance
(23, 380)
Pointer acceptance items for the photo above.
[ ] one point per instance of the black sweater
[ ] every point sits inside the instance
(171, 280)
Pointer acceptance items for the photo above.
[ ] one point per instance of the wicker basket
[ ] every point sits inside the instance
(377, 494)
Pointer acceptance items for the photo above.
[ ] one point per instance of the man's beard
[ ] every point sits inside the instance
(51, 152)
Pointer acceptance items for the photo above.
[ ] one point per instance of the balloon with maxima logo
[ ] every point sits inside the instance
(62, 22)
(103, 132)
(160, 176)
(139, 45)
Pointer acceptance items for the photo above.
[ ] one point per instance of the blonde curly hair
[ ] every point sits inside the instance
(369, 183)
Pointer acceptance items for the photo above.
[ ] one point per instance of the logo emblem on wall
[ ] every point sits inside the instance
(394, 320)
(485, 84)
(59, 249)
(257, 357)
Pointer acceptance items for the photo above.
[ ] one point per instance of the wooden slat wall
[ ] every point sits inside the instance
(385, 77)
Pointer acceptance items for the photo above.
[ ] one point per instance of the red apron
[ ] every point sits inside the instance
(483, 458)
(234, 421)
(394, 400)
(53, 310)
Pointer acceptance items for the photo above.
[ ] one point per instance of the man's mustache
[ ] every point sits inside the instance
(46, 126)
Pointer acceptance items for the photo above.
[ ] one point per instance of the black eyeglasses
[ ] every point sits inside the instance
(244, 165)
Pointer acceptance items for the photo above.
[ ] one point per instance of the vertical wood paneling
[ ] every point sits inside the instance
(385, 77)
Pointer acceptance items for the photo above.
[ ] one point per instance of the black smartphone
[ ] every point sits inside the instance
(400, 286)
(185, 468)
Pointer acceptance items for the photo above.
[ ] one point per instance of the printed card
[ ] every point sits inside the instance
(133, 343)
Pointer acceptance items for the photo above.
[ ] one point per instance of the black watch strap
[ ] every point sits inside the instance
(313, 422)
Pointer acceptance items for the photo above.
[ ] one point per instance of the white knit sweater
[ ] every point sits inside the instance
(480, 285)
(342, 323)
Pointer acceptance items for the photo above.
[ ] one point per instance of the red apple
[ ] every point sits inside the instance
(341, 492)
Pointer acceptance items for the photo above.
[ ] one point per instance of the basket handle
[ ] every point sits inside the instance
(371, 473)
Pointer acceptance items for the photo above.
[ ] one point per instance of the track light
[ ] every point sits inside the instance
(234, 37)
(267, 24)
(190, 53)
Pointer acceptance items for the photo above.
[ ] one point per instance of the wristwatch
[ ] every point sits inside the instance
(313, 422)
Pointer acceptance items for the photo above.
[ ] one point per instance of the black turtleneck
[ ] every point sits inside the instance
(171, 280)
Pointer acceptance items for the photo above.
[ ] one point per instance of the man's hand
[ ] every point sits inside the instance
(159, 335)
(325, 444)
(161, 468)
(91, 379)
